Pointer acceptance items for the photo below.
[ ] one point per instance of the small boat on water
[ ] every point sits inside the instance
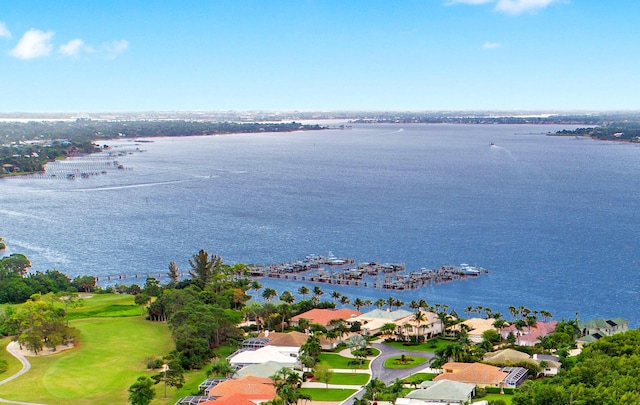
(492, 144)
(469, 270)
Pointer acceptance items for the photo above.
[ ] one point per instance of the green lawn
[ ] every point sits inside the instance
(109, 358)
(336, 361)
(419, 377)
(105, 305)
(431, 346)
(321, 394)
(12, 363)
(490, 397)
(411, 361)
(349, 379)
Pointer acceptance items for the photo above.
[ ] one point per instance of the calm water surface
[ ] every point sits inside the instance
(556, 220)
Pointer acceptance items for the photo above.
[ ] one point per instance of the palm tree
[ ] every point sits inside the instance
(375, 388)
(335, 295)
(546, 315)
(317, 293)
(414, 305)
(269, 293)
(303, 290)
(388, 328)
(418, 317)
(368, 303)
(358, 303)
(287, 297)
(531, 321)
(398, 303)
(221, 367)
(344, 300)
(513, 311)
(422, 303)
(499, 324)
(381, 302)
(202, 268)
(256, 286)
(468, 310)
(391, 302)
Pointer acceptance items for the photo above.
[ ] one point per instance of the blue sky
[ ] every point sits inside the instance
(319, 55)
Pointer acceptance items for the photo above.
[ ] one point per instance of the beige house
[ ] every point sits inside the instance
(371, 322)
(476, 327)
(431, 326)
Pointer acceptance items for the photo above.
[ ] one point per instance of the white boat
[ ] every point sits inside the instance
(469, 270)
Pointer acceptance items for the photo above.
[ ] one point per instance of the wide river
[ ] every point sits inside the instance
(556, 220)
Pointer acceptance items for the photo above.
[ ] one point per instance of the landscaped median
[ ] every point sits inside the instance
(404, 361)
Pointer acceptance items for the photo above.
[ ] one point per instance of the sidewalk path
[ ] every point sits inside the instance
(26, 366)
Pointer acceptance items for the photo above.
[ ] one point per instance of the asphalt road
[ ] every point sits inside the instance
(390, 374)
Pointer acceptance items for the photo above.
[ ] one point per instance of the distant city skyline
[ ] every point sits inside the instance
(506, 55)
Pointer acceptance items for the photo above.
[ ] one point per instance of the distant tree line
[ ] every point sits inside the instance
(17, 286)
(32, 157)
(617, 131)
(82, 130)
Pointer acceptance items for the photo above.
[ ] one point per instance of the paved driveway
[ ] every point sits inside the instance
(389, 375)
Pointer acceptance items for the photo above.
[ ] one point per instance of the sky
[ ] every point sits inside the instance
(319, 55)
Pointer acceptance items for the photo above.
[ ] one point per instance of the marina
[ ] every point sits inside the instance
(316, 269)
(345, 271)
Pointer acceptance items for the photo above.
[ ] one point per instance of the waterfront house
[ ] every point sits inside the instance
(324, 317)
(482, 375)
(476, 327)
(529, 336)
(371, 322)
(604, 327)
(440, 392)
(430, 327)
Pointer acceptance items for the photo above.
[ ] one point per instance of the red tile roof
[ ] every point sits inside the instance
(324, 316)
(233, 399)
(250, 387)
(474, 373)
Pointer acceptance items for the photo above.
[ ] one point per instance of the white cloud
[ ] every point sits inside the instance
(491, 45)
(33, 44)
(521, 6)
(4, 32)
(74, 47)
(508, 6)
(115, 48)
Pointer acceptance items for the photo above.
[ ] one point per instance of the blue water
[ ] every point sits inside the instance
(556, 220)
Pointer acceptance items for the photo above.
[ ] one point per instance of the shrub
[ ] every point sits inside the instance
(154, 363)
